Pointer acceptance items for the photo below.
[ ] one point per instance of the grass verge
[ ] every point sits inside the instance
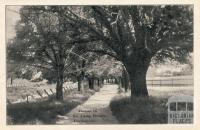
(140, 110)
(45, 111)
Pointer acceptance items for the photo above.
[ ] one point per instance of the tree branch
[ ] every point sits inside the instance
(83, 40)
(176, 41)
(104, 52)
(42, 67)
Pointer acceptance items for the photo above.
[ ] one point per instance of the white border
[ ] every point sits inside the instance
(194, 126)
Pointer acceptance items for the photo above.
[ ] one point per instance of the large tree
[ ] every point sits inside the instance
(135, 35)
(45, 39)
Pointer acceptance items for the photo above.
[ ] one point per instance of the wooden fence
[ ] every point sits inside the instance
(40, 94)
(170, 83)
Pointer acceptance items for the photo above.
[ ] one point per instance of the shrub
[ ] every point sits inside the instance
(139, 110)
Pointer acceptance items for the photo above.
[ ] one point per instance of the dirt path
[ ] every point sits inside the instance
(95, 110)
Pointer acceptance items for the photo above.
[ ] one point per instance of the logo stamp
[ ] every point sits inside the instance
(180, 109)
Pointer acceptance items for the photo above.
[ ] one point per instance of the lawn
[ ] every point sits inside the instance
(22, 87)
(45, 111)
(149, 110)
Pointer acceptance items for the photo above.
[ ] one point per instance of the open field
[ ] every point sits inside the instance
(22, 87)
(172, 81)
(166, 92)
(171, 77)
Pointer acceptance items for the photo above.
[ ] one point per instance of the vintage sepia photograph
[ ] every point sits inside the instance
(100, 64)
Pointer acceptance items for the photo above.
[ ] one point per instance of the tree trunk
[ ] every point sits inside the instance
(137, 76)
(79, 82)
(116, 81)
(138, 85)
(125, 79)
(98, 82)
(91, 83)
(102, 81)
(11, 80)
(59, 86)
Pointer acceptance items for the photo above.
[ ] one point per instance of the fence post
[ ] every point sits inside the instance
(51, 91)
(32, 96)
(39, 93)
(46, 92)
(23, 97)
(27, 98)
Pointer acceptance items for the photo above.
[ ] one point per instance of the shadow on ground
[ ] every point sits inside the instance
(46, 111)
(140, 110)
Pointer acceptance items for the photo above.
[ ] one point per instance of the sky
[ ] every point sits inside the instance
(11, 19)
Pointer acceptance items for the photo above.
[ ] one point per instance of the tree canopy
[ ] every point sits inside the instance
(134, 35)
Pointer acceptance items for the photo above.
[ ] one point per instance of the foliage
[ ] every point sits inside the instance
(138, 35)
(134, 35)
(140, 110)
(105, 66)
(44, 39)
(165, 31)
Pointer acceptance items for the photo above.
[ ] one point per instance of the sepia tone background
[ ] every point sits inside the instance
(196, 74)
